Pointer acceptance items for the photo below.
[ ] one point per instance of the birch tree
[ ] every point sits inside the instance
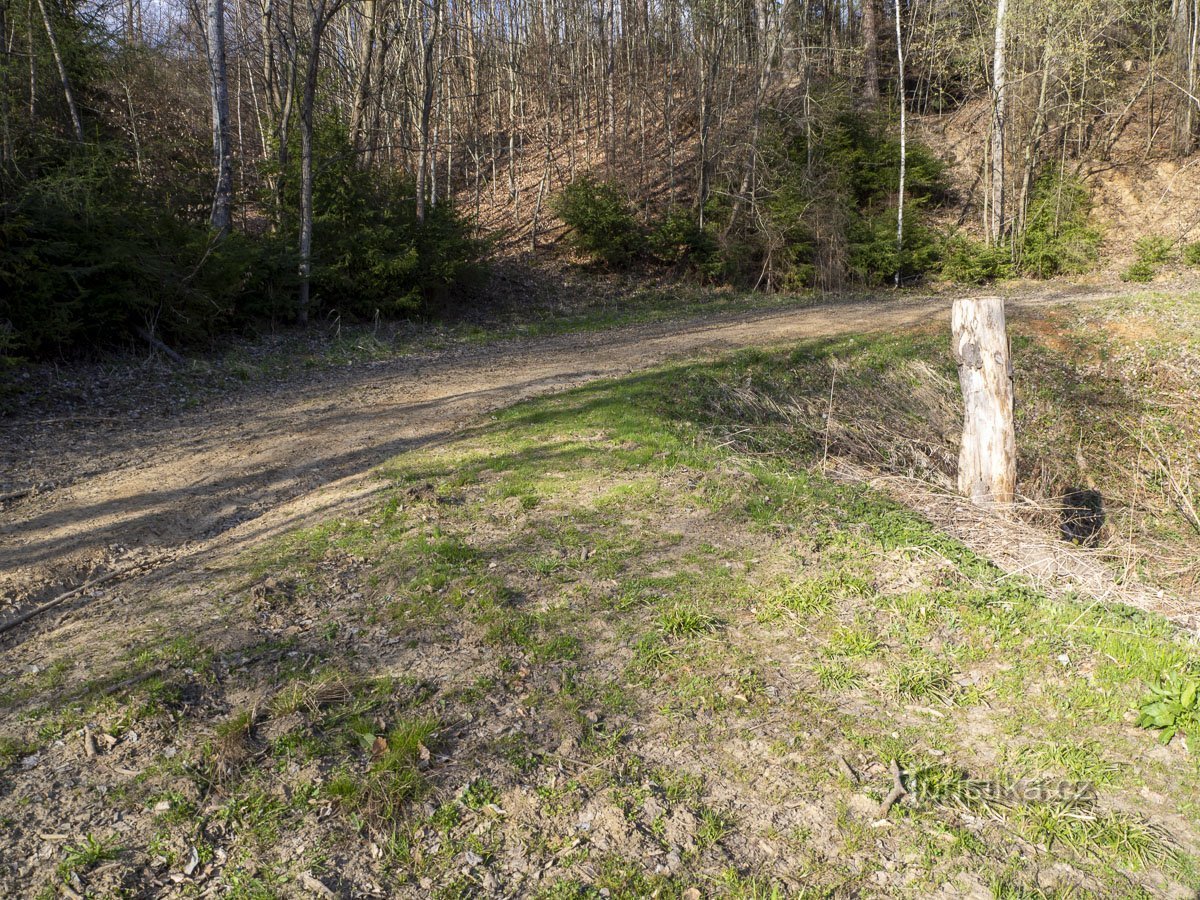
(320, 11)
(903, 146)
(64, 79)
(999, 98)
(222, 205)
(431, 25)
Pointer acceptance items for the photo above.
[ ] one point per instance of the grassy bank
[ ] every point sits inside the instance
(628, 641)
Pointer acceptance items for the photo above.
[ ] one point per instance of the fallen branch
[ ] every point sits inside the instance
(149, 338)
(129, 682)
(847, 769)
(31, 612)
(17, 495)
(898, 791)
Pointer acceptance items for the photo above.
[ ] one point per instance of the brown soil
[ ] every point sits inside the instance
(224, 477)
(187, 492)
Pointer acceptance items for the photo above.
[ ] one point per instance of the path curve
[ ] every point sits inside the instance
(245, 468)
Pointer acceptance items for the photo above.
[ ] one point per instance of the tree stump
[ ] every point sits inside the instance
(987, 460)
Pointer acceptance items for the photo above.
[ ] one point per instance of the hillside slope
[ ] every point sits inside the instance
(629, 640)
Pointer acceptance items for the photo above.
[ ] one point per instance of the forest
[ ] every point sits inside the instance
(171, 172)
(599, 449)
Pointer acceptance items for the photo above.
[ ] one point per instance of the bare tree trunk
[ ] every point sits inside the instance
(307, 100)
(987, 461)
(76, 122)
(903, 148)
(999, 96)
(710, 62)
(870, 27)
(6, 143)
(769, 37)
(1184, 39)
(1030, 161)
(133, 129)
(537, 209)
(222, 205)
(32, 68)
(610, 96)
(668, 105)
(514, 186)
(366, 59)
(427, 79)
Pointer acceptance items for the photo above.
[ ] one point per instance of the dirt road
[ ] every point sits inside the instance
(241, 469)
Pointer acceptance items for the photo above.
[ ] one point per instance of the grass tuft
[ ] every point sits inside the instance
(921, 679)
(686, 621)
(91, 852)
(393, 775)
(837, 675)
(1083, 829)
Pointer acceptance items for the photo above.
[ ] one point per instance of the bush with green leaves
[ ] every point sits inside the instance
(1152, 251)
(873, 256)
(90, 257)
(1057, 238)
(1139, 272)
(829, 201)
(602, 221)
(371, 256)
(1172, 707)
(975, 262)
(1191, 254)
(679, 240)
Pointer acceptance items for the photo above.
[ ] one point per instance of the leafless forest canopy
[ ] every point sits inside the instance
(774, 132)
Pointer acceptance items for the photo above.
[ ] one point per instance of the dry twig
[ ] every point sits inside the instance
(898, 791)
(24, 616)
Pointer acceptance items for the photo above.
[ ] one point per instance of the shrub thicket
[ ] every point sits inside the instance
(826, 210)
(1152, 251)
(1057, 240)
(92, 256)
(975, 262)
(370, 254)
(604, 226)
(678, 240)
(831, 202)
(602, 221)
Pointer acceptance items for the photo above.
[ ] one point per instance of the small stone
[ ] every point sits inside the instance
(315, 886)
(192, 863)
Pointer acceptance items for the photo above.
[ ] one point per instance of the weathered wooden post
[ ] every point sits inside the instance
(987, 461)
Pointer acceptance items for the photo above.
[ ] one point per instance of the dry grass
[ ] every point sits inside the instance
(1093, 411)
(1015, 539)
